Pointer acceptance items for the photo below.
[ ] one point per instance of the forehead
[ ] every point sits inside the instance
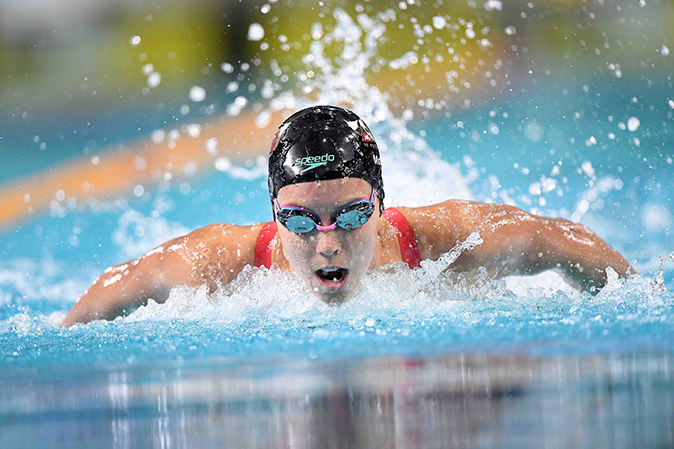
(334, 191)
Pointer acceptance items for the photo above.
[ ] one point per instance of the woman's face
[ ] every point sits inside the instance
(333, 262)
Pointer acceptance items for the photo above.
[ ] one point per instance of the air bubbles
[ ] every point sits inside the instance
(197, 94)
(255, 32)
(664, 50)
(134, 41)
(265, 9)
(226, 67)
(492, 5)
(510, 30)
(138, 190)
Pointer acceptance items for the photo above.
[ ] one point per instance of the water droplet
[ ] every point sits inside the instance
(633, 124)
(439, 22)
(255, 32)
(197, 94)
(153, 80)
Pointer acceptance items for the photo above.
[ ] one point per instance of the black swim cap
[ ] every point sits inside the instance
(322, 143)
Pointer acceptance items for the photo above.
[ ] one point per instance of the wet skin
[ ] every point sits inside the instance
(514, 242)
(355, 251)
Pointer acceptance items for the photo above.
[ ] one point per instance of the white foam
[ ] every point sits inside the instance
(276, 295)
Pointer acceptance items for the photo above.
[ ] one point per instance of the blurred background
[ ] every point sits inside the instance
(118, 118)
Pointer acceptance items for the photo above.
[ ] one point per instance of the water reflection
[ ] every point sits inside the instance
(394, 402)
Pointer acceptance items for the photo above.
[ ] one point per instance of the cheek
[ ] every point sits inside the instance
(362, 246)
(297, 250)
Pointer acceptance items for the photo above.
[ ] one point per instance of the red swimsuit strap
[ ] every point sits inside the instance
(409, 250)
(263, 245)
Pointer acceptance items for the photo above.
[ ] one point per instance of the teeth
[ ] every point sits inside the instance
(331, 273)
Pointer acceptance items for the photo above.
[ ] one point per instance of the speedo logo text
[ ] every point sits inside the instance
(314, 161)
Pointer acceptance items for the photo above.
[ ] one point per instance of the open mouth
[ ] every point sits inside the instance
(333, 278)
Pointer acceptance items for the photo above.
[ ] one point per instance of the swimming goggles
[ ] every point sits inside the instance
(351, 216)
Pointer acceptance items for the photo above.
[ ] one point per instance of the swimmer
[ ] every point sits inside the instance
(330, 227)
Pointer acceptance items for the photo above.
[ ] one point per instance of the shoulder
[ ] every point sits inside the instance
(214, 254)
(224, 234)
(439, 227)
(222, 239)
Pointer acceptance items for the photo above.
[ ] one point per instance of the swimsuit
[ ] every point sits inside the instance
(409, 251)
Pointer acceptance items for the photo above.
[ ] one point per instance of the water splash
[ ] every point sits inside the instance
(414, 174)
(659, 279)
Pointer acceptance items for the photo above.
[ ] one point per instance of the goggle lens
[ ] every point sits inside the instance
(298, 224)
(301, 221)
(353, 219)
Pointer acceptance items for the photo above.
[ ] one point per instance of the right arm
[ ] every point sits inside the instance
(213, 255)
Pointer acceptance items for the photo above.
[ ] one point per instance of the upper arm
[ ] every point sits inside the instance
(509, 234)
(213, 255)
(514, 241)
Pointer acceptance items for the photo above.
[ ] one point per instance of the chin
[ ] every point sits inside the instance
(334, 298)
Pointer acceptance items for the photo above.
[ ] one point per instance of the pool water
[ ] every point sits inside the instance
(417, 358)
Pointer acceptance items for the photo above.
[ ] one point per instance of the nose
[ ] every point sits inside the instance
(328, 245)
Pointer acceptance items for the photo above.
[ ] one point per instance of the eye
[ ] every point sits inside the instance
(300, 224)
(352, 219)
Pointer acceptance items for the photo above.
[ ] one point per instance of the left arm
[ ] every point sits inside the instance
(515, 242)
